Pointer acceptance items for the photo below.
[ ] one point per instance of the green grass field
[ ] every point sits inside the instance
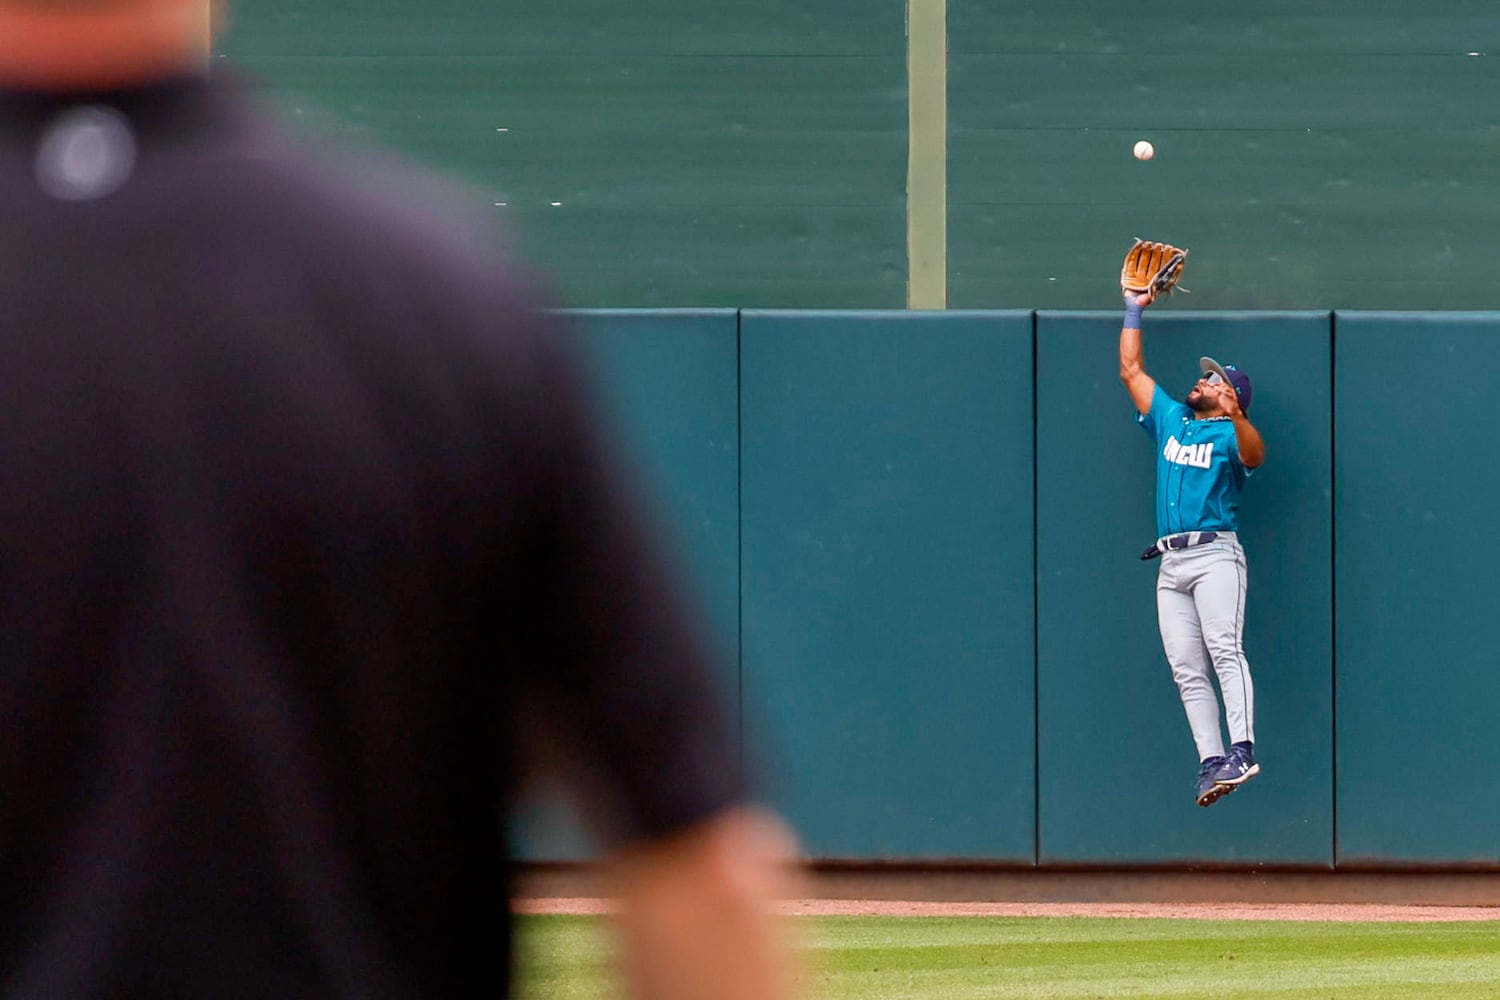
(983, 958)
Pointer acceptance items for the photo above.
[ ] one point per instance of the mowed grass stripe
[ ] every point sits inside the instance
(564, 958)
(929, 958)
(1053, 957)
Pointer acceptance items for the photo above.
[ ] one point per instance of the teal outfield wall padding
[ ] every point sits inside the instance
(1116, 760)
(1418, 674)
(887, 578)
(914, 539)
(666, 386)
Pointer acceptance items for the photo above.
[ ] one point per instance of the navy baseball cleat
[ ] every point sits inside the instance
(1209, 790)
(1238, 767)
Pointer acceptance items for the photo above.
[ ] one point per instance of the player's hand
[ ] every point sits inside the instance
(1143, 300)
(1229, 400)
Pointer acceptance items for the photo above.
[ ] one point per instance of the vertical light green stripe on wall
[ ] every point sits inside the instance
(208, 11)
(927, 157)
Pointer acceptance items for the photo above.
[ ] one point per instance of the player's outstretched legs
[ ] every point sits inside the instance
(1182, 641)
(1220, 600)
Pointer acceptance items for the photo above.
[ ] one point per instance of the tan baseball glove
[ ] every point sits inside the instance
(1152, 267)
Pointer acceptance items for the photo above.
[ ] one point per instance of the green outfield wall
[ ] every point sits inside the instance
(915, 539)
(669, 153)
(912, 537)
(756, 153)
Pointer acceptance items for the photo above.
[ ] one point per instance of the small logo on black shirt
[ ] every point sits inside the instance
(85, 153)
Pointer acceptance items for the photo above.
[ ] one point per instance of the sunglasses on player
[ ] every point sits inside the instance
(1213, 378)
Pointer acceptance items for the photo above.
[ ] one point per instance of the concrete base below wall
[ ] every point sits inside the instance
(950, 884)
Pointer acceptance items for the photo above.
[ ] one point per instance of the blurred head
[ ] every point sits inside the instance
(76, 44)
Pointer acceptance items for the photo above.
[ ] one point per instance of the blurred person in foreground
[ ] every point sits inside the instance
(304, 521)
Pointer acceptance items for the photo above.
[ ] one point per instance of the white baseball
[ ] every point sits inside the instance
(1144, 150)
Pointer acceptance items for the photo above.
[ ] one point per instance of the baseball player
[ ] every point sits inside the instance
(1206, 449)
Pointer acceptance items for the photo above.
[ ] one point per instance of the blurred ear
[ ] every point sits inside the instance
(103, 43)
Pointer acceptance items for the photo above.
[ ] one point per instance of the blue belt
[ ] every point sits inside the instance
(1185, 540)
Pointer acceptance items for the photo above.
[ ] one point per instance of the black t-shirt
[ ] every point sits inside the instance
(303, 521)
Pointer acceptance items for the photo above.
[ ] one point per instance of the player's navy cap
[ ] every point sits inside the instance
(1232, 375)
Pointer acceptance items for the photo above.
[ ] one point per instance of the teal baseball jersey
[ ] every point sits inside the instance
(1199, 474)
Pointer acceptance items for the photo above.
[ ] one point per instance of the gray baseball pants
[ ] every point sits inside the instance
(1200, 609)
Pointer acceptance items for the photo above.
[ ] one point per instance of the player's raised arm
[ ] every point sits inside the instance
(1132, 364)
(1246, 438)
